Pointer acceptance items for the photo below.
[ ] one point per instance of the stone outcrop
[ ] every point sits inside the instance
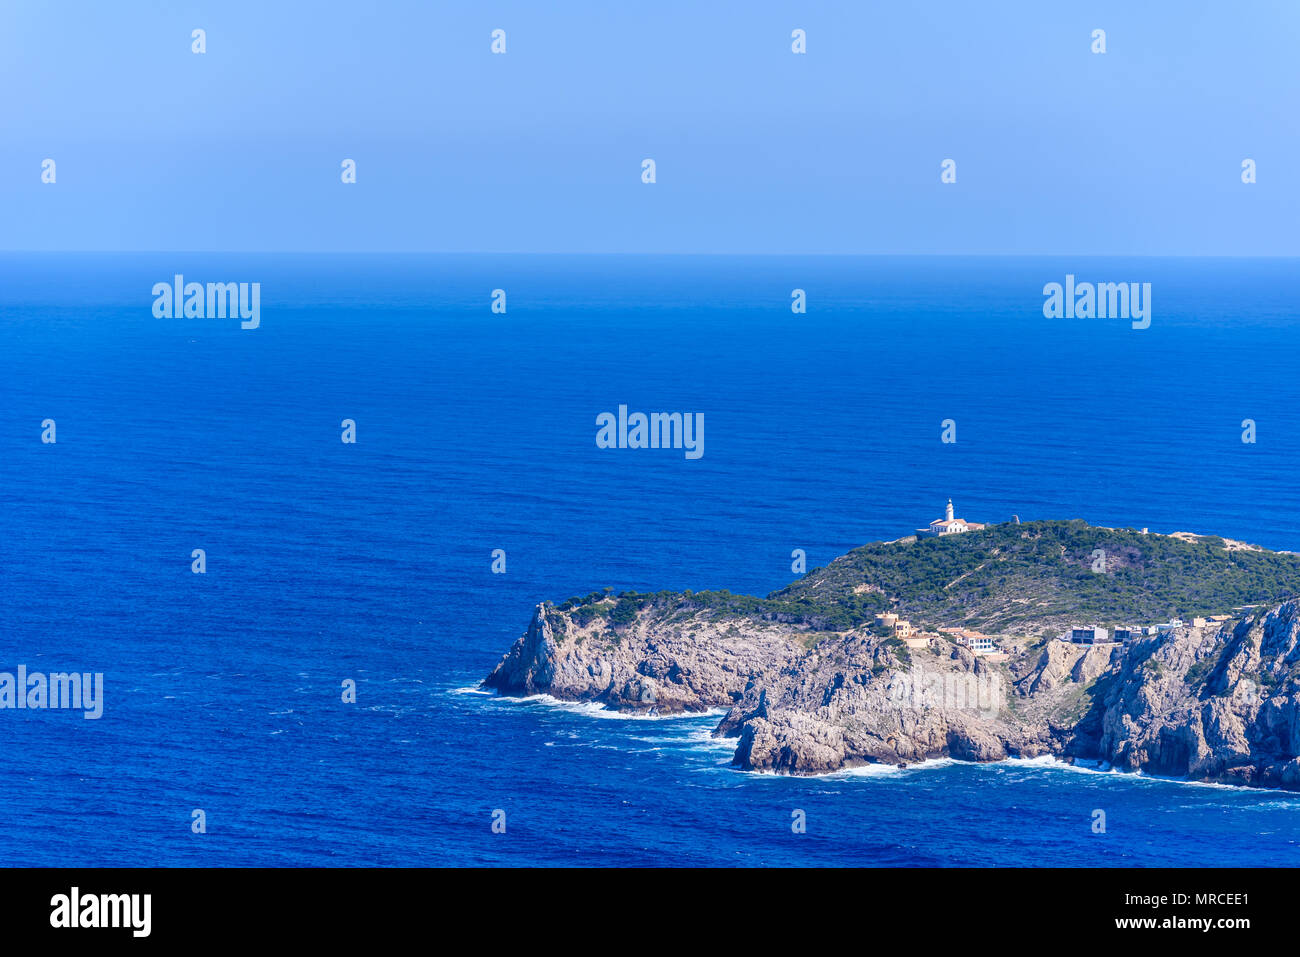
(1209, 703)
(1221, 706)
(650, 665)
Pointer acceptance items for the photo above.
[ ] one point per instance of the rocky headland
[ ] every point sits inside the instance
(810, 684)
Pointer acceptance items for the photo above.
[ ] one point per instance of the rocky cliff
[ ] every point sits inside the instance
(1216, 703)
(659, 661)
(1211, 705)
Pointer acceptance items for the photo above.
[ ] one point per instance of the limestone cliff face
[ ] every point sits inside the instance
(1206, 703)
(1210, 705)
(861, 699)
(695, 663)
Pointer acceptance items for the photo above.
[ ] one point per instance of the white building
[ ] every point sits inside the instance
(949, 525)
(977, 642)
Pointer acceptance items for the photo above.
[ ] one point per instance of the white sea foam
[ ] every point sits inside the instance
(1187, 781)
(594, 709)
(702, 738)
(697, 739)
(1283, 804)
(1051, 762)
(1088, 766)
(870, 769)
(863, 771)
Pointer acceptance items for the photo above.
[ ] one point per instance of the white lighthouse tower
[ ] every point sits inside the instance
(947, 513)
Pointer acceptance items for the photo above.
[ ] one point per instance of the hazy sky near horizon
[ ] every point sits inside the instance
(758, 150)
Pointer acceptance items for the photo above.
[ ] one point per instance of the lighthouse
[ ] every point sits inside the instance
(949, 524)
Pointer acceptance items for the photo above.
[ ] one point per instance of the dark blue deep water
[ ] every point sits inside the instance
(476, 431)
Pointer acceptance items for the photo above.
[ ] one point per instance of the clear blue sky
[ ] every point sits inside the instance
(1059, 150)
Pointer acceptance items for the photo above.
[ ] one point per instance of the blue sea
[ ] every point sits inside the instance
(476, 431)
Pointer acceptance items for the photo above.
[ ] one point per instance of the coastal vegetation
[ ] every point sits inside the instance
(1012, 578)
(1020, 577)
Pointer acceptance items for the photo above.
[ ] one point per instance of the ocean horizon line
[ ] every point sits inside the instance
(629, 255)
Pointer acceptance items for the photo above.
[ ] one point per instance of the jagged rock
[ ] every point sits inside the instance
(1207, 703)
(1241, 726)
(790, 741)
(695, 667)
